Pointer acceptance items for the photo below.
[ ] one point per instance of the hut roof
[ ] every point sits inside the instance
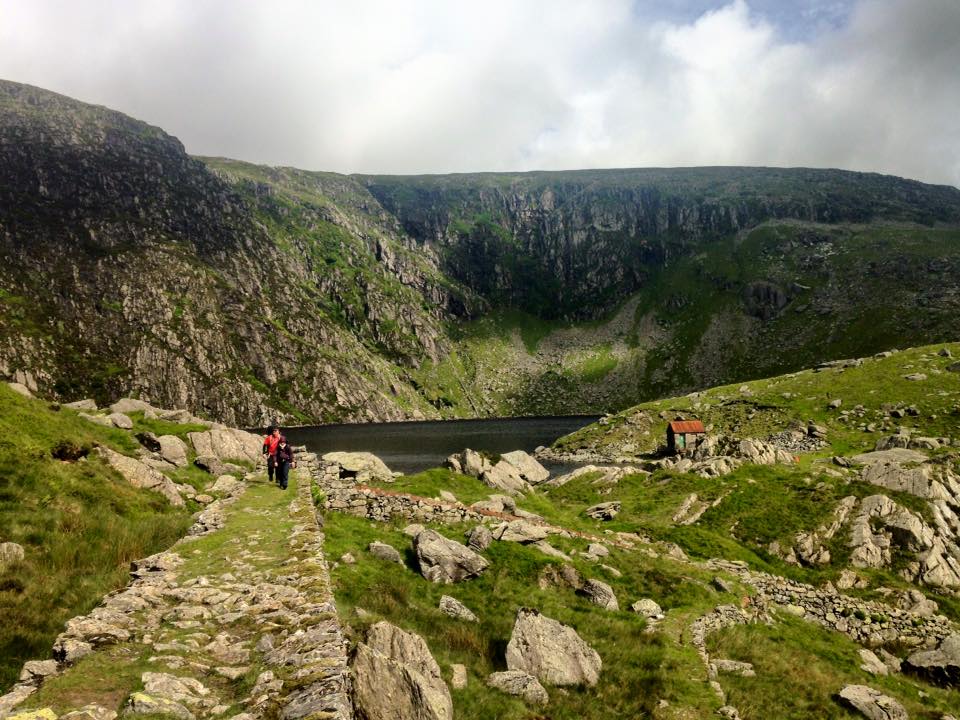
(687, 426)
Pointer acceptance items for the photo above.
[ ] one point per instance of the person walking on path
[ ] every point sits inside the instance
(270, 443)
(284, 462)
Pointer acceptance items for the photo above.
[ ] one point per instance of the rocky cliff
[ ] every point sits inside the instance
(255, 294)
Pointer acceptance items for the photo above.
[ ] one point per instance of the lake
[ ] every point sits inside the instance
(410, 447)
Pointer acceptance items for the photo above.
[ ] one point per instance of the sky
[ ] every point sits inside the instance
(433, 86)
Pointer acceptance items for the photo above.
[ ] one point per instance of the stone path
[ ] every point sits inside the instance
(236, 621)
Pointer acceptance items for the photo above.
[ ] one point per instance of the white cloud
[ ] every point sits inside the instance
(433, 86)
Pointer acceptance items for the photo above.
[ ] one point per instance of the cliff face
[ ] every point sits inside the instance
(257, 294)
(131, 267)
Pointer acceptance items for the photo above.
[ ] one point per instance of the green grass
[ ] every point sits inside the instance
(79, 522)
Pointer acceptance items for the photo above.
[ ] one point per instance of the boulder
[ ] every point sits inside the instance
(604, 511)
(120, 420)
(150, 441)
(520, 531)
(528, 467)
(225, 485)
(10, 554)
(548, 549)
(215, 466)
(87, 405)
(35, 672)
(141, 475)
(521, 684)
(597, 550)
(385, 552)
(130, 405)
(647, 608)
(872, 704)
(601, 594)
(185, 690)
(941, 665)
(734, 667)
(227, 444)
(458, 676)
(140, 703)
(98, 419)
(454, 608)
(479, 538)
(496, 503)
(871, 663)
(504, 476)
(415, 529)
(91, 712)
(20, 389)
(362, 467)
(395, 677)
(446, 561)
(551, 652)
(173, 450)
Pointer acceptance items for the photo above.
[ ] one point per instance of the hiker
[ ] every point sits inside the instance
(270, 443)
(284, 462)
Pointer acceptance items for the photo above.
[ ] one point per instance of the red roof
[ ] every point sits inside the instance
(687, 426)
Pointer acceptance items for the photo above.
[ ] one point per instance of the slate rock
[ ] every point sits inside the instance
(454, 608)
(10, 554)
(385, 552)
(600, 594)
(550, 651)
(604, 511)
(141, 703)
(647, 608)
(120, 420)
(173, 450)
(521, 684)
(941, 665)
(479, 538)
(446, 561)
(872, 704)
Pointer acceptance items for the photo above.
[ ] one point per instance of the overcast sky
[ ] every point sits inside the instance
(411, 86)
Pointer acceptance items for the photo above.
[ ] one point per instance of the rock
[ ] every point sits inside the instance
(20, 389)
(729, 712)
(395, 677)
(551, 652)
(416, 528)
(456, 609)
(504, 476)
(601, 594)
(834, 404)
(941, 665)
(604, 511)
(497, 504)
(120, 420)
(479, 538)
(446, 561)
(458, 677)
(447, 496)
(143, 704)
(10, 554)
(40, 714)
(225, 485)
(528, 467)
(90, 712)
(170, 687)
(68, 650)
(215, 466)
(140, 475)
(232, 673)
(363, 467)
(916, 602)
(34, 672)
(385, 552)
(597, 550)
(517, 682)
(872, 664)
(872, 704)
(548, 549)
(348, 559)
(916, 377)
(647, 608)
(945, 352)
(953, 367)
(87, 405)
(173, 450)
(129, 405)
(98, 419)
(849, 579)
(520, 531)
(721, 585)
(562, 576)
(734, 667)
(227, 444)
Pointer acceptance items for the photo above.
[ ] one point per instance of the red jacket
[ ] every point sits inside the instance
(270, 445)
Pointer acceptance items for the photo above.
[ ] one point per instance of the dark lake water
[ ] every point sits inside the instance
(410, 447)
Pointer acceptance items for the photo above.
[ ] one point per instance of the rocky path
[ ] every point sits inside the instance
(235, 622)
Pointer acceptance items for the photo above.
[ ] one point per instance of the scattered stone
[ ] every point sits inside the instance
(90, 712)
(604, 511)
(181, 689)
(849, 579)
(143, 704)
(385, 552)
(872, 704)
(520, 531)
(945, 352)
(551, 652)
(348, 559)
(478, 538)
(835, 404)
(601, 594)
(415, 529)
(597, 550)
(456, 609)
(363, 467)
(87, 405)
(729, 712)
(68, 650)
(34, 672)
(20, 389)
(446, 561)
(721, 585)
(548, 549)
(447, 496)
(120, 420)
(10, 554)
(648, 609)
(915, 377)
(458, 677)
(40, 714)
(173, 450)
(734, 667)
(528, 466)
(141, 476)
(872, 664)
(941, 665)
(517, 682)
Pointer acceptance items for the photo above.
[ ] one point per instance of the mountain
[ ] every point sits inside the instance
(254, 294)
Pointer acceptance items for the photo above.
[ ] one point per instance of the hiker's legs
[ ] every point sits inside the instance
(271, 468)
(283, 473)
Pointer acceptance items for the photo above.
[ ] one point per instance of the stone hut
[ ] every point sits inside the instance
(684, 435)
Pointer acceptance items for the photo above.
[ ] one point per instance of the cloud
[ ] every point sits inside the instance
(410, 86)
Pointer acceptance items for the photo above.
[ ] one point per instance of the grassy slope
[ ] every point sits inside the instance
(79, 523)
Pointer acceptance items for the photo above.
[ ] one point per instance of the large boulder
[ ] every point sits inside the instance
(363, 467)
(872, 704)
(941, 666)
(505, 477)
(517, 682)
(173, 450)
(140, 475)
(446, 561)
(528, 466)
(395, 677)
(521, 531)
(227, 444)
(550, 651)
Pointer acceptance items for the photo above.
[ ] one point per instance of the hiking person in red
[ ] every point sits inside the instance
(270, 443)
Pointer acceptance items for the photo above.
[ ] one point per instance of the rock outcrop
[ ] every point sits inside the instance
(550, 651)
(446, 561)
